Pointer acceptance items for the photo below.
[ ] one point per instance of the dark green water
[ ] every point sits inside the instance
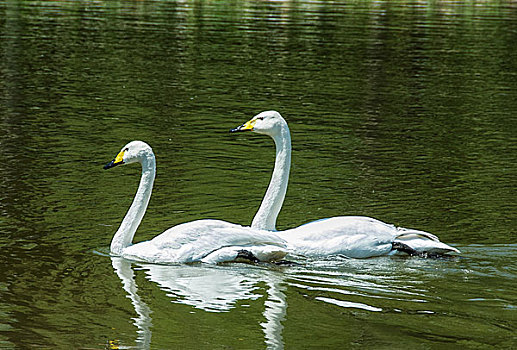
(400, 110)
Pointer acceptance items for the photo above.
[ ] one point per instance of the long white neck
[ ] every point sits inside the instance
(125, 233)
(265, 218)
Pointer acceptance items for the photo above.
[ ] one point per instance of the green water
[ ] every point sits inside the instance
(399, 110)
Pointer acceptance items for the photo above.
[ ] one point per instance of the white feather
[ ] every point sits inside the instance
(351, 236)
(210, 241)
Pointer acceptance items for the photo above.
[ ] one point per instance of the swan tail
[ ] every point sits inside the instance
(421, 243)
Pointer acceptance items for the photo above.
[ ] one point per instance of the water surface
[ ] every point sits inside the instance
(399, 110)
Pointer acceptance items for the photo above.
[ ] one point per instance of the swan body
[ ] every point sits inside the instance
(351, 236)
(209, 241)
(360, 237)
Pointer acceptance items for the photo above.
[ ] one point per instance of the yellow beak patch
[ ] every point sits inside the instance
(119, 158)
(249, 125)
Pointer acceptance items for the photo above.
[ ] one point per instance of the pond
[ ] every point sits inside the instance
(399, 110)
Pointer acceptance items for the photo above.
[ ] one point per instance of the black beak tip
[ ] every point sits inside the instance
(109, 165)
(239, 129)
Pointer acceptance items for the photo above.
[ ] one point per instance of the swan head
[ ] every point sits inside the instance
(268, 122)
(135, 151)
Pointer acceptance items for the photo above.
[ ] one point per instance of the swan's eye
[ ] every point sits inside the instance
(260, 118)
(126, 149)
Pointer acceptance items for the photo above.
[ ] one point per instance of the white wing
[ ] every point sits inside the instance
(197, 240)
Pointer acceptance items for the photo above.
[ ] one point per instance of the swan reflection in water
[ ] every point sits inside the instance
(143, 321)
(387, 284)
(209, 288)
(218, 288)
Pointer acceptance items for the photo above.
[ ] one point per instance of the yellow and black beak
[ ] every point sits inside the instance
(248, 126)
(119, 159)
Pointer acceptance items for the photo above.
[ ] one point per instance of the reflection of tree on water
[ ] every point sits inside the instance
(209, 288)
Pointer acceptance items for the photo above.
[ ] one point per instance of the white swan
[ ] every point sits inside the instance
(352, 236)
(209, 241)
